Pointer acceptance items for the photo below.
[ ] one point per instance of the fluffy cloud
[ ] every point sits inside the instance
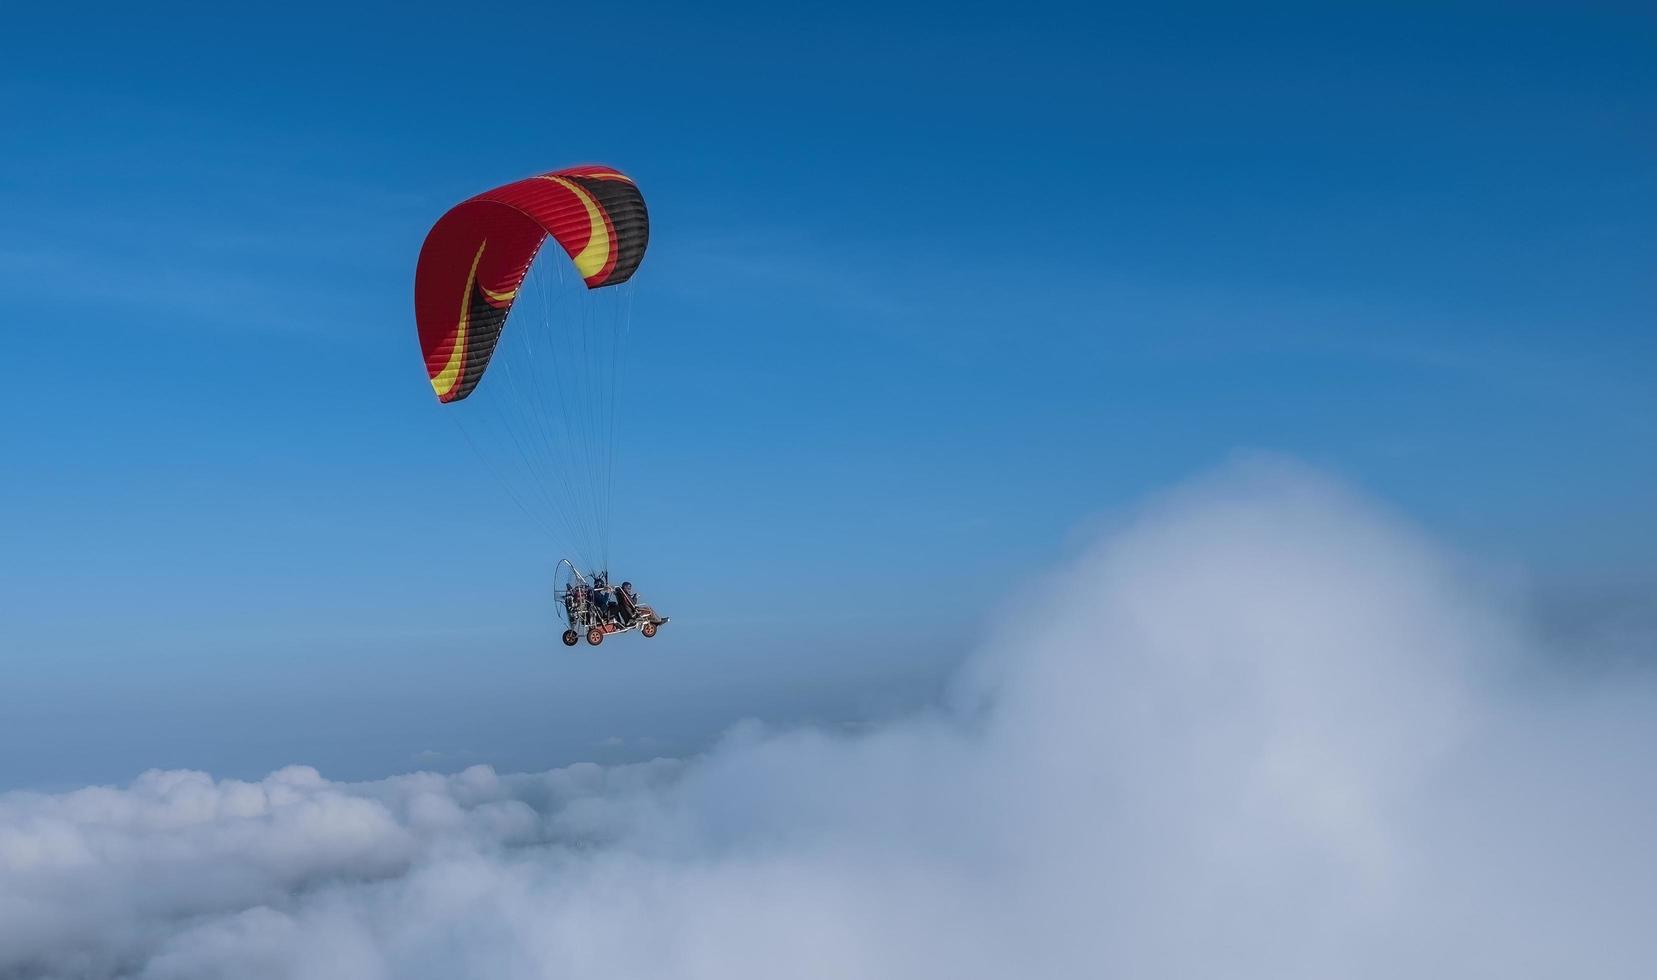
(1260, 730)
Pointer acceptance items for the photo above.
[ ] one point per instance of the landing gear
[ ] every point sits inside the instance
(571, 638)
(648, 629)
(595, 636)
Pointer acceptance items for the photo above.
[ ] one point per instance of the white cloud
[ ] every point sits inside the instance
(1262, 730)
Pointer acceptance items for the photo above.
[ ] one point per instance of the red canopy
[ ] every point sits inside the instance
(475, 258)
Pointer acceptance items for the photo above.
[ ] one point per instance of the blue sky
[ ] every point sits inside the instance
(931, 291)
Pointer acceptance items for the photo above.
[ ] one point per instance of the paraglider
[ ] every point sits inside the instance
(537, 402)
(591, 607)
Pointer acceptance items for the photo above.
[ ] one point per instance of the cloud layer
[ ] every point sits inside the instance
(1262, 730)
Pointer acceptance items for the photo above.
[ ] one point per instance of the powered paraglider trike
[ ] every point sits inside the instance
(544, 423)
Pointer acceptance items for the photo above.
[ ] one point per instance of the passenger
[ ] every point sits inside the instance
(637, 607)
(627, 602)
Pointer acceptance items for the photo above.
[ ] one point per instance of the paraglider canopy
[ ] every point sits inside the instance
(475, 257)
